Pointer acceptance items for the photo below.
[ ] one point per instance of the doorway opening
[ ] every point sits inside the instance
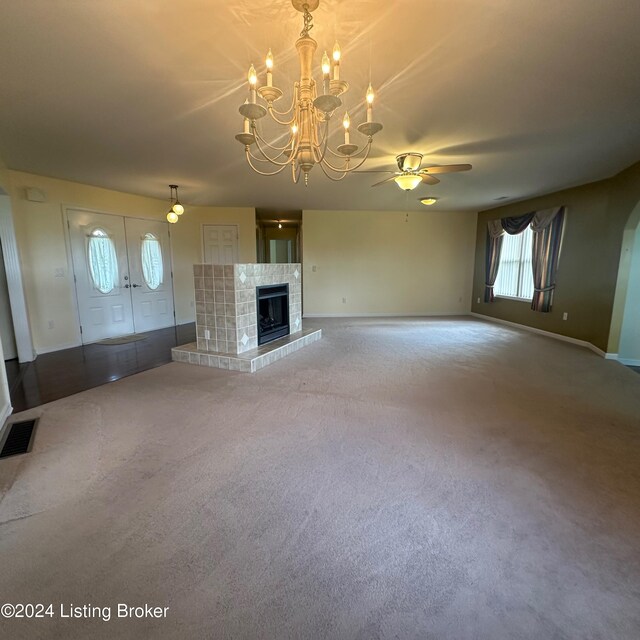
(7, 333)
(625, 323)
(278, 236)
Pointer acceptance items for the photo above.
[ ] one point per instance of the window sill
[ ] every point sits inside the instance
(529, 300)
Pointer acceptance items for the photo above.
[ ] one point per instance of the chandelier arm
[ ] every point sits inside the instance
(350, 169)
(266, 158)
(354, 155)
(271, 146)
(295, 175)
(294, 102)
(324, 135)
(263, 173)
(319, 157)
(342, 177)
(275, 161)
(286, 123)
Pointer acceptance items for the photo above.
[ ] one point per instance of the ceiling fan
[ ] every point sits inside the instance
(411, 175)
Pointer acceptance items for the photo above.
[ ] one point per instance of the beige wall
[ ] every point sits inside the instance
(42, 240)
(597, 214)
(387, 263)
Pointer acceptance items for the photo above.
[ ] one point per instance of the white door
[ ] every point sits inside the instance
(122, 274)
(7, 336)
(150, 274)
(99, 254)
(220, 243)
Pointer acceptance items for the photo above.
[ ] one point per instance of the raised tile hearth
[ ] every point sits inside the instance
(227, 318)
(248, 361)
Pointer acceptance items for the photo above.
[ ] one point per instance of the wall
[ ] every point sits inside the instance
(387, 263)
(630, 335)
(42, 240)
(586, 281)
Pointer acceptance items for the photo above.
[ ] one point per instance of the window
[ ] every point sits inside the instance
(515, 272)
(152, 267)
(103, 262)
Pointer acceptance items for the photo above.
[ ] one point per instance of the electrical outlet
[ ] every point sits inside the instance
(565, 315)
(344, 301)
(478, 300)
(207, 334)
(314, 268)
(51, 324)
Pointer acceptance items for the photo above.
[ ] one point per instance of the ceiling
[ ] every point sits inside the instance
(135, 95)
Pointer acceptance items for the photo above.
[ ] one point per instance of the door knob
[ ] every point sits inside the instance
(136, 285)
(126, 286)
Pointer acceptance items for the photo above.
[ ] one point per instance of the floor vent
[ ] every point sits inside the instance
(19, 438)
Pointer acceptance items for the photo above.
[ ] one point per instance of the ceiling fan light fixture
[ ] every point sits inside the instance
(409, 161)
(408, 181)
(428, 201)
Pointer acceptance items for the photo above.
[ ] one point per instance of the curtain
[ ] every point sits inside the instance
(495, 232)
(547, 227)
(516, 224)
(151, 257)
(103, 262)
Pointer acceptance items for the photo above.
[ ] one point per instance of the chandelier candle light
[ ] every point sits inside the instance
(307, 119)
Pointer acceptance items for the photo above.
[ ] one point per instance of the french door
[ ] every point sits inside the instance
(122, 269)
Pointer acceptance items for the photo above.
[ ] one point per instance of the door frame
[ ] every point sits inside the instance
(15, 285)
(67, 241)
(217, 224)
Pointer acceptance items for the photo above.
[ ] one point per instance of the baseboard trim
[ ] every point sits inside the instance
(630, 362)
(385, 315)
(549, 334)
(59, 347)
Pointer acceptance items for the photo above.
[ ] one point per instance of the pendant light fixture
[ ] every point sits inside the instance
(176, 209)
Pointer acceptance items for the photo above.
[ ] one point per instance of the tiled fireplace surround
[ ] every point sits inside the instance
(225, 298)
(226, 303)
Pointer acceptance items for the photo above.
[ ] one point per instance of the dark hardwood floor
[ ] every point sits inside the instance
(60, 374)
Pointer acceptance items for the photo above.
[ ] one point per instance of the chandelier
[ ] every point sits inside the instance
(306, 122)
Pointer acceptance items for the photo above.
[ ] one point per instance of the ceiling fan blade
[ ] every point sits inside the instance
(448, 168)
(383, 181)
(426, 178)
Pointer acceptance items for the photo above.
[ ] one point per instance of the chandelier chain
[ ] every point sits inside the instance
(308, 22)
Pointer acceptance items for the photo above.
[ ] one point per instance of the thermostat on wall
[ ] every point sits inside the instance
(35, 195)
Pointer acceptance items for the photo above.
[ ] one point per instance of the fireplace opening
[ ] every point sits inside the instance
(273, 312)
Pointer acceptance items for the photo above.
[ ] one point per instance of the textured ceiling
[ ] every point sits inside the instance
(134, 95)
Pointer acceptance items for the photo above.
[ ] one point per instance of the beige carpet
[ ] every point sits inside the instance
(438, 478)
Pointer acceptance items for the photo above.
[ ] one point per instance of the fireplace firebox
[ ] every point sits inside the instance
(273, 312)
